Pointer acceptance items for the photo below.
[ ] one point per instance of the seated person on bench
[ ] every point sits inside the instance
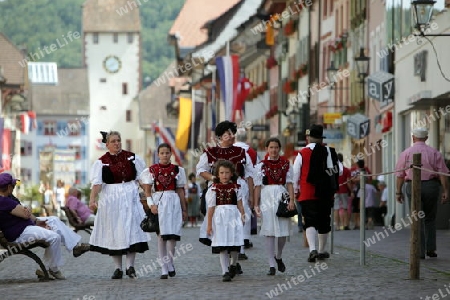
(78, 208)
(19, 225)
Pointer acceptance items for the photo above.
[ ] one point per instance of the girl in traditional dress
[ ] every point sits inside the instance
(273, 179)
(168, 201)
(117, 231)
(226, 217)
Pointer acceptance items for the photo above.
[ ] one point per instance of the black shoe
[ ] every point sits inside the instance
(238, 269)
(164, 276)
(346, 228)
(78, 250)
(272, 271)
(280, 264)
(431, 254)
(172, 273)
(242, 256)
(232, 271)
(422, 257)
(312, 256)
(226, 277)
(131, 272)
(118, 274)
(248, 244)
(323, 255)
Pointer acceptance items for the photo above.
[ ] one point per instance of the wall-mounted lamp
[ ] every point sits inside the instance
(422, 13)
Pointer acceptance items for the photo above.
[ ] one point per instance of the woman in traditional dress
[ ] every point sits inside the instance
(168, 201)
(117, 228)
(273, 179)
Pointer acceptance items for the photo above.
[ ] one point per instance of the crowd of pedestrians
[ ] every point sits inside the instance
(238, 187)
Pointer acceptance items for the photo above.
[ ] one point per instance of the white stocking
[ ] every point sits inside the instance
(234, 257)
(311, 237)
(162, 252)
(224, 261)
(130, 259)
(171, 252)
(322, 242)
(270, 248)
(281, 243)
(117, 261)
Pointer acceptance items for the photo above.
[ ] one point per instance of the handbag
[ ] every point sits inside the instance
(150, 223)
(151, 220)
(283, 211)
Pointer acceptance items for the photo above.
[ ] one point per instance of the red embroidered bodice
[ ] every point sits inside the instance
(164, 177)
(118, 168)
(225, 193)
(234, 154)
(275, 171)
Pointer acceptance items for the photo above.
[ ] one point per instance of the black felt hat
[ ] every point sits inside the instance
(315, 131)
(104, 134)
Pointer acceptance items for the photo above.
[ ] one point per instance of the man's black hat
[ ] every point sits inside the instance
(316, 131)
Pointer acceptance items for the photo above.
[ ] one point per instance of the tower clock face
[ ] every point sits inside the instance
(112, 64)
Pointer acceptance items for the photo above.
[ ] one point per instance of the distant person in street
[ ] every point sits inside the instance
(316, 173)
(354, 198)
(369, 200)
(50, 204)
(225, 217)
(79, 209)
(341, 198)
(274, 180)
(117, 228)
(431, 184)
(19, 225)
(193, 202)
(168, 201)
(381, 212)
(60, 196)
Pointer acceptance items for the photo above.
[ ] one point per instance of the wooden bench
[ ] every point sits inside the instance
(73, 221)
(24, 248)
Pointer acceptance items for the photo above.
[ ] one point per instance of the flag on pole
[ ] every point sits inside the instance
(198, 117)
(25, 123)
(213, 107)
(184, 124)
(168, 137)
(228, 70)
(244, 88)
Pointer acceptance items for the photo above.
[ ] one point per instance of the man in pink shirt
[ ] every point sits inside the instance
(432, 160)
(80, 209)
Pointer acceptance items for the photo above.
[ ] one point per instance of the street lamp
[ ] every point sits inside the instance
(331, 74)
(362, 65)
(422, 12)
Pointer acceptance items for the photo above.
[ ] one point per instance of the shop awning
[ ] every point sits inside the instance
(358, 126)
(381, 87)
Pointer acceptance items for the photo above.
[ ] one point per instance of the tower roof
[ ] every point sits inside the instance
(11, 58)
(111, 16)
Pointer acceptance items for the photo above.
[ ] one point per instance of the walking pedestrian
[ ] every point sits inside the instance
(168, 201)
(432, 159)
(274, 180)
(225, 217)
(193, 202)
(316, 172)
(117, 228)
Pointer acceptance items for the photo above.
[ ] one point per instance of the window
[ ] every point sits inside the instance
(128, 145)
(49, 127)
(26, 148)
(130, 37)
(25, 175)
(74, 127)
(78, 177)
(116, 38)
(95, 38)
(128, 115)
(77, 151)
(124, 88)
(325, 10)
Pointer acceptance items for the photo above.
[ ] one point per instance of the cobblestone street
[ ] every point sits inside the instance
(385, 275)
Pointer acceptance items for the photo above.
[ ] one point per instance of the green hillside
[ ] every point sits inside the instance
(39, 23)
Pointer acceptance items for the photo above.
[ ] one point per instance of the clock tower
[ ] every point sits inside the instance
(112, 56)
